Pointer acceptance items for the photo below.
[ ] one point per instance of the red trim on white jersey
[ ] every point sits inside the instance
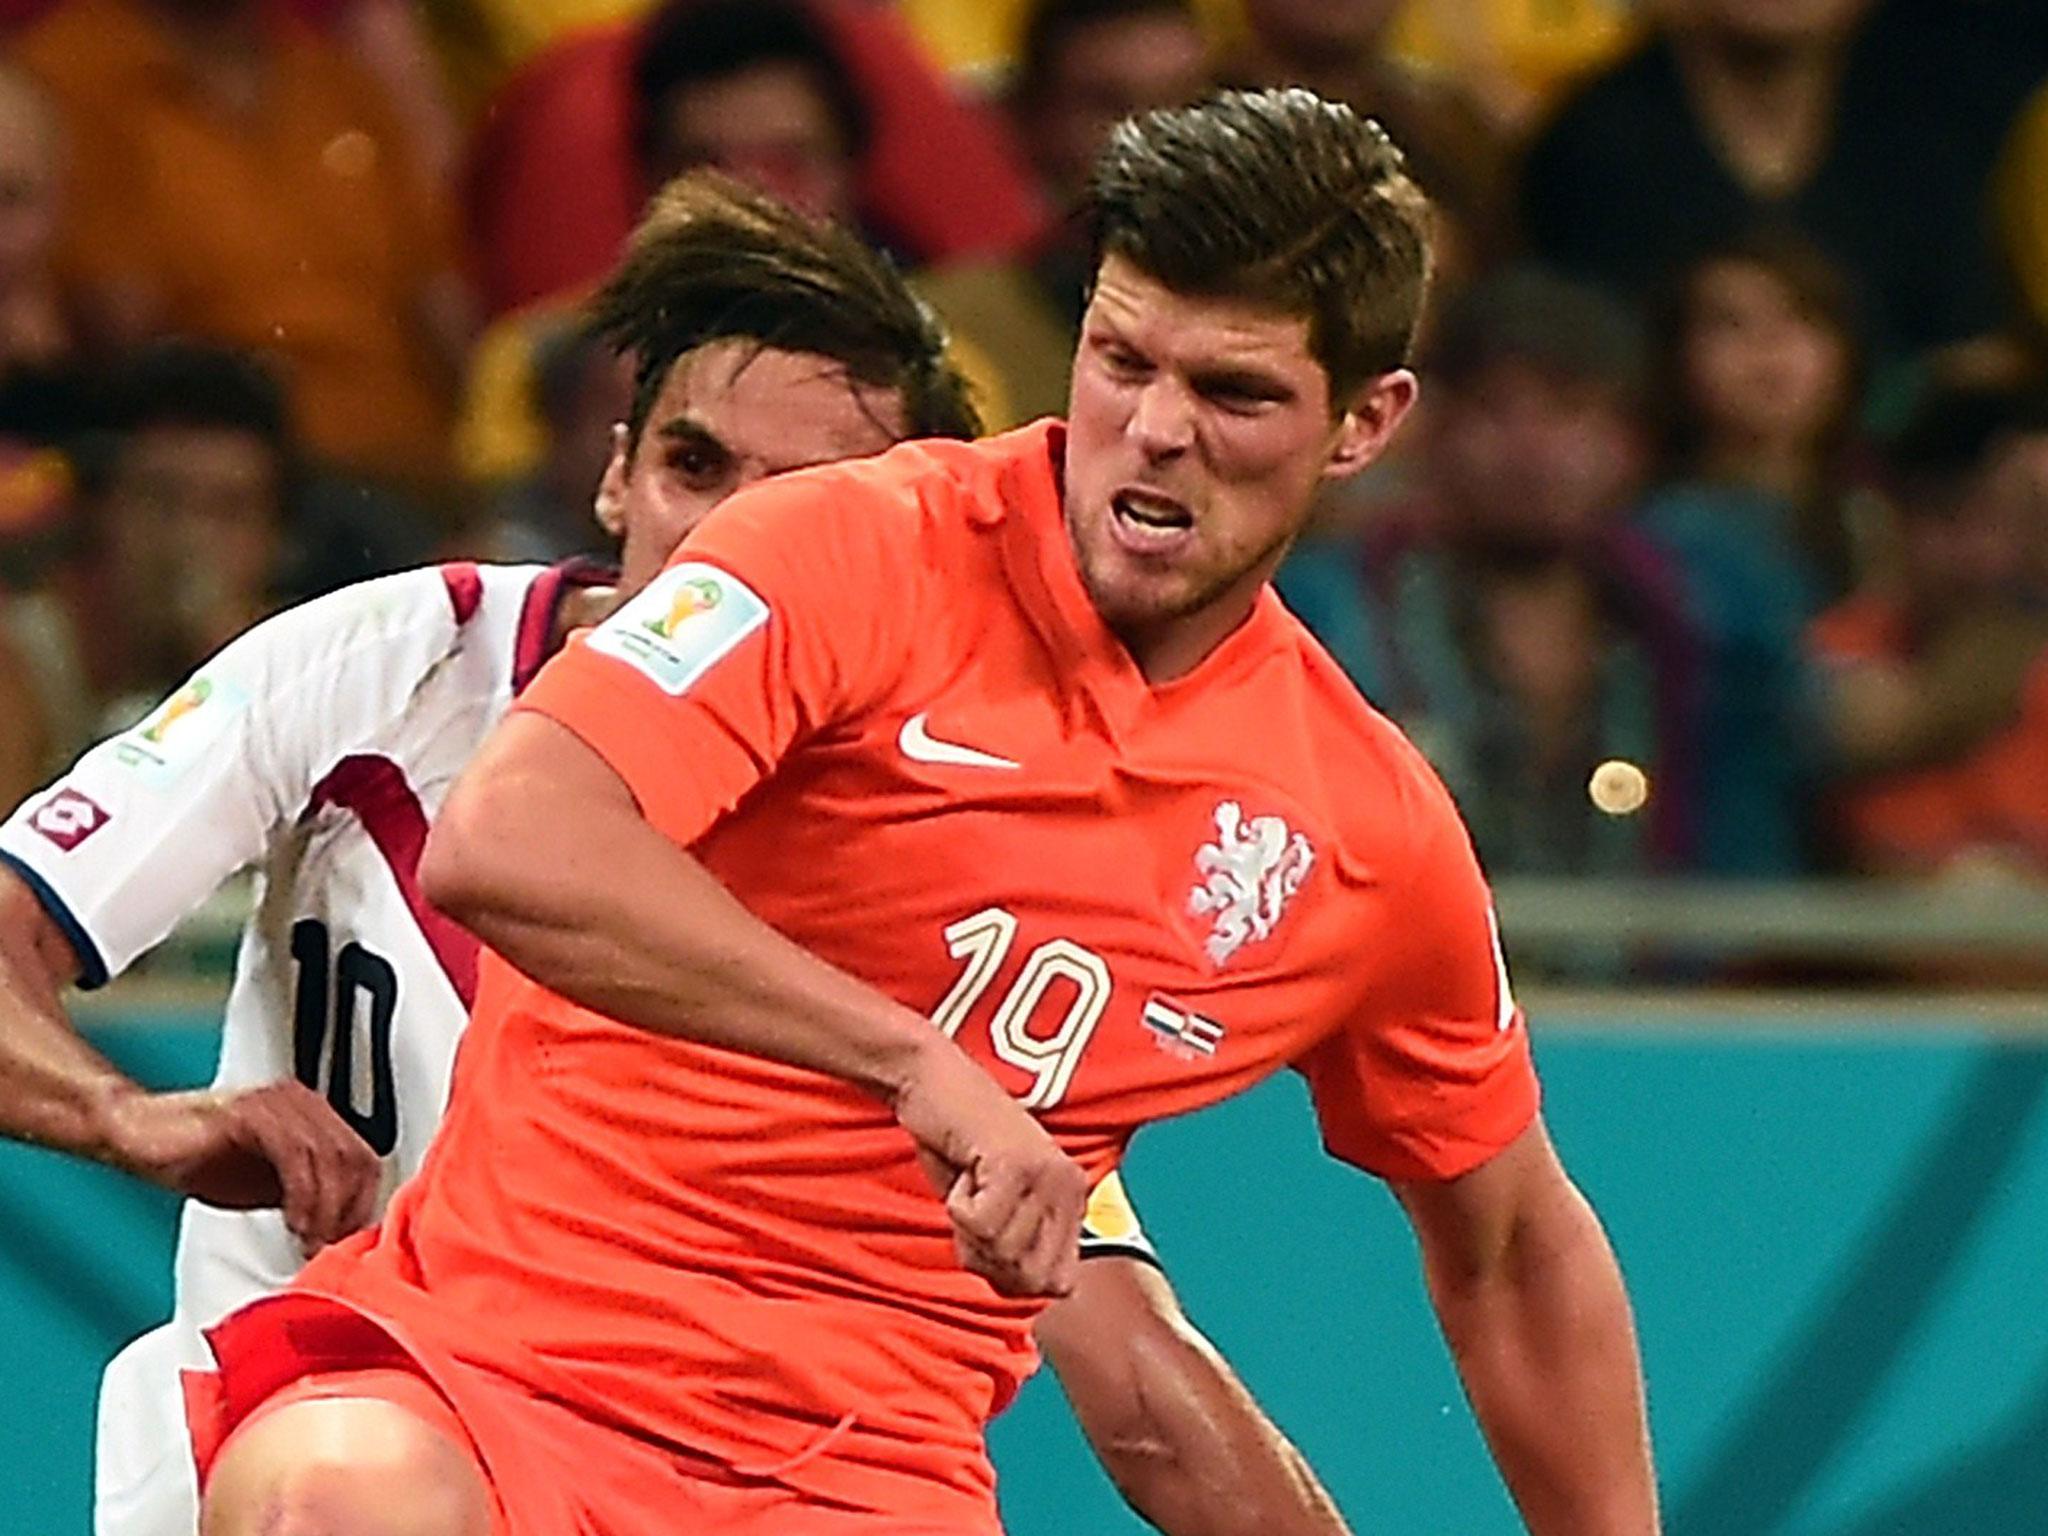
(375, 790)
(465, 585)
(534, 642)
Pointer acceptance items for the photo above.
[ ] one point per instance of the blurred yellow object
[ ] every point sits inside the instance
(35, 488)
(1110, 1214)
(483, 41)
(2022, 200)
(1536, 47)
(979, 39)
(499, 435)
(1619, 788)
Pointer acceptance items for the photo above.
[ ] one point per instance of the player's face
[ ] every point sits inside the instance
(729, 414)
(1199, 430)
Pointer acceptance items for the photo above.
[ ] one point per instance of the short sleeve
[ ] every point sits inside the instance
(786, 612)
(147, 824)
(1433, 1074)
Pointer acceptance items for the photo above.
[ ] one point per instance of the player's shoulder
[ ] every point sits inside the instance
(431, 600)
(937, 486)
(1371, 785)
(428, 609)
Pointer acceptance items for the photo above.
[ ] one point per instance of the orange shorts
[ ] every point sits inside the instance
(550, 1470)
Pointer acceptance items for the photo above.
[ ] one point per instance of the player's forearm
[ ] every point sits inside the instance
(542, 853)
(1547, 1349)
(55, 1089)
(1212, 1464)
(1186, 1444)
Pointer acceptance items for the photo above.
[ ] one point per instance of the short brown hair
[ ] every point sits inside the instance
(715, 261)
(1279, 198)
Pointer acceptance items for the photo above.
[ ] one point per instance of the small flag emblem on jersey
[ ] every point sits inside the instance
(1179, 1030)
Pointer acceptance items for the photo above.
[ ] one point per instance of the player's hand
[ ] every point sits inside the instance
(1015, 1199)
(280, 1145)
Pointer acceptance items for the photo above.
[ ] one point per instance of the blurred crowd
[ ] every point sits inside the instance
(1719, 545)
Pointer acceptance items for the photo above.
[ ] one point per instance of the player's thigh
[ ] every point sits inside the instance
(383, 1463)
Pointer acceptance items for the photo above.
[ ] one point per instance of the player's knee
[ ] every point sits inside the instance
(343, 1467)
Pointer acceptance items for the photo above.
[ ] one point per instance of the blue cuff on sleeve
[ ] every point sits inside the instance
(92, 968)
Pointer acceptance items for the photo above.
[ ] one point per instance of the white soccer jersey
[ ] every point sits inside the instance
(314, 749)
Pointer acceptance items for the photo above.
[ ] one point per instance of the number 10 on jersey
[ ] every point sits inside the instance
(983, 942)
(334, 1052)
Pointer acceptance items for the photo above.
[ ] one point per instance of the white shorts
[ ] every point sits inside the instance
(144, 1482)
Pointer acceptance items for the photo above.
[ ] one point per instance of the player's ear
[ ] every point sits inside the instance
(1369, 420)
(611, 486)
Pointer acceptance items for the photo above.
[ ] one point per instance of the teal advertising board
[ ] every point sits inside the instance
(1837, 1242)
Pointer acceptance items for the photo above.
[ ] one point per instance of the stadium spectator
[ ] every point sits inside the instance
(1805, 113)
(186, 512)
(775, 93)
(1762, 515)
(558, 172)
(33, 326)
(1761, 371)
(1509, 618)
(1084, 65)
(542, 510)
(33, 490)
(1339, 49)
(1973, 495)
(234, 176)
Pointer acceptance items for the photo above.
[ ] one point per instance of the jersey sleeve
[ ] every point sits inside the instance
(1110, 1228)
(785, 613)
(1432, 1076)
(148, 823)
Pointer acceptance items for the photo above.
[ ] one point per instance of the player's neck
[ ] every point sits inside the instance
(1171, 648)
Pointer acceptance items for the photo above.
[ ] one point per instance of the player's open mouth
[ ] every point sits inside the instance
(1149, 522)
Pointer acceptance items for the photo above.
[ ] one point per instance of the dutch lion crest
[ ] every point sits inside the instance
(1248, 874)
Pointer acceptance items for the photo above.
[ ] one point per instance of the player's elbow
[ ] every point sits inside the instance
(463, 869)
(493, 850)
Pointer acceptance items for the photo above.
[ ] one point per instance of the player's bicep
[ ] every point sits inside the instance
(145, 826)
(1468, 1226)
(534, 805)
(1432, 1076)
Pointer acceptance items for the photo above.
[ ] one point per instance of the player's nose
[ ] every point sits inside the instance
(1162, 421)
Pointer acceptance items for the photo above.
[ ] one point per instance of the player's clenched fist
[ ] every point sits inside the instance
(280, 1145)
(1015, 1199)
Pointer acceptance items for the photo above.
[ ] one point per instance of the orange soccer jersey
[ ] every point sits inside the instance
(875, 700)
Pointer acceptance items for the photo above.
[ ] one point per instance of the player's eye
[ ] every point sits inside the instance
(1238, 401)
(701, 465)
(1120, 362)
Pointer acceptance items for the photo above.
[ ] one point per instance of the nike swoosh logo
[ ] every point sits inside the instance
(920, 746)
